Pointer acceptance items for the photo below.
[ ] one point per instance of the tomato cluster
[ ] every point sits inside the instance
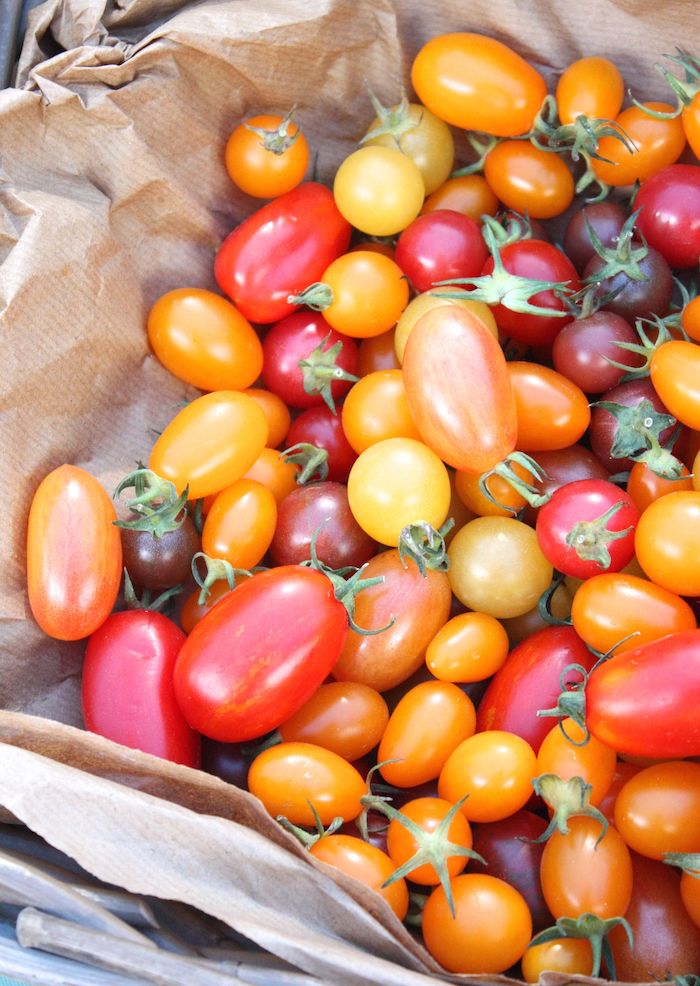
(439, 500)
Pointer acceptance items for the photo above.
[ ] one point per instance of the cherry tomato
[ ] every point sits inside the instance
(423, 303)
(365, 863)
(674, 369)
(320, 427)
(430, 721)
(440, 246)
(658, 810)
(605, 428)
(552, 412)
(495, 769)
(422, 137)
(202, 339)
(592, 761)
(667, 542)
(470, 647)
(379, 190)
(657, 143)
(643, 296)
(377, 353)
(670, 216)
(511, 502)
(564, 466)
(623, 772)
(583, 349)
(468, 194)
(520, 627)
(590, 87)
(192, 610)
(529, 180)
(276, 414)
(368, 292)
(690, 895)
(690, 319)
(160, 562)
(567, 956)
(343, 716)
(210, 443)
(645, 486)
(606, 220)
(240, 524)
(490, 931)
(427, 814)
(266, 166)
(477, 83)
(376, 409)
(74, 554)
(271, 470)
(290, 777)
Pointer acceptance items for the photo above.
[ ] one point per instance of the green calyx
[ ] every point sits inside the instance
(393, 121)
(156, 605)
(623, 257)
(312, 462)
(685, 90)
(571, 703)
(508, 228)
(309, 839)
(639, 427)
(432, 848)
(425, 546)
(505, 471)
(156, 506)
(502, 288)
(590, 538)
(689, 862)
(544, 604)
(646, 347)
(217, 570)
(596, 930)
(320, 369)
(317, 296)
(369, 799)
(278, 139)
(482, 145)
(567, 799)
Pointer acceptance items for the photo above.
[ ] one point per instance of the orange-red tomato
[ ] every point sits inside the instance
(427, 814)
(609, 607)
(192, 610)
(657, 143)
(467, 485)
(490, 931)
(346, 717)
(529, 180)
(74, 554)
(477, 83)
(590, 87)
(568, 956)
(365, 863)
(470, 647)
(675, 374)
(204, 340)
(581, 875)
(552, 412)
(593, 762)
(271, 471)
(658, 810)
(276, 414)
(667, 542)
(690, 319)
(211, 443)
(288, 776)
(645, 486)
(430, 721)
(377, 353)
(240, 524)
(369, 294)
(376, 408)
(468, 194)
(259, 170)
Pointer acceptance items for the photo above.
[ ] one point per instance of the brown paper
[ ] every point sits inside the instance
(112, 191)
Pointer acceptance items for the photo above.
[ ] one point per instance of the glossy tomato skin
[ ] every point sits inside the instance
(320, 427)
(604, 426)
(260, 653)
(668, 542)
(591, 87)
(293, 339)
(606, 219)
(259, 171)
(128, 693)
(583, 349)
(530, 680)
(458, 390)
(674, 371)
(343, 716)
(656, 143)
(528, 179)
(650, 295)
(670, 216)
(158, 563)
(74, 554)
(562, 466)
(365, 863)
(280, 250)
(552, 412)
(655, 714)
(439, 246)
(658, 810)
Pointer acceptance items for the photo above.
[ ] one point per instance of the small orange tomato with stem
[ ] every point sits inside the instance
(267, 155)
(376, 408)
(657, 143)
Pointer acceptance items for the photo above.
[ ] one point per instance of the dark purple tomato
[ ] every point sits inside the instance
(508, 848)
(306, 336)
(670, 216)
(580, 350)
(564, 466)
(636, 298)
(320, 427)
(604, 426)
(606, 219)
(160, 562)
(228, 761)
(439, 246)
(321, 507)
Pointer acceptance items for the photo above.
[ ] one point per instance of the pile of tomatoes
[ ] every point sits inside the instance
(440, 498)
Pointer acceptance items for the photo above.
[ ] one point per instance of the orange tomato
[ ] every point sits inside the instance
(529, 180)
(271, 471)
(425, 302)
(365, 863)
(260, 171)
(369, 294)
(658, 143)
(552, 412)
(346, 717)
(427, 814)
(590, 87)
(674, 371)
(276, 414)
(690, 319)
(470, 647)
(567, 956)
(376, 408)
(467, 485)
(658, 810)
(594, 762)
(667, 542)
(240, 524)
(469, 194)
(192, 610)
(377, 353)
(645, 486)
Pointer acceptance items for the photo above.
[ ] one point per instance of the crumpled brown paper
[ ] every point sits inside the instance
(112, 191)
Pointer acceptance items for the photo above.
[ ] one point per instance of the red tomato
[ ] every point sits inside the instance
(128, 693)
(280, 250)
(320, 427)
(440, 246)
(74, 554)
(670, 216)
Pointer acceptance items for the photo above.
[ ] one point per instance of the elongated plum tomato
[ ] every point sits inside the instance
(128, 693)
(74, 554)
(255, 658)
(591, 87)
(279, 250)
(343, 716)
(658, 810)
(552, 412)
(477, 83)
(204, 340)
(365, 863)
(240, 524)
(534, 182)
(458, 389)
(211, 443)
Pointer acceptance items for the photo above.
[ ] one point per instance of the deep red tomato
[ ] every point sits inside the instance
(670, 216)
(128, 693)
(530, 680)
(458, 389)
(260, 653)
(583, 349)
(280, 250)
(605, 428)
(320, 427)
(74, 554)
(588, 527)
(439, 246)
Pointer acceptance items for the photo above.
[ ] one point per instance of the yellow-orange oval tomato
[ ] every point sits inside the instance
(74, 554)
(645, 486)
(552, 412)
(657, 143)
(288, 776)
(491, 928)
(658, 810)
(590, 87)
(346, 717)
(240, 524)
(369, 293)
(529, 180)
(263, 164)
(378, 190)
(211, 443)
(580, 874)
(675, 374)
(667, 542)
(276, 414)
(690, 318)
(425, 302)
(569, 956)
(377, 353)
(470, 647)
(609, 607)
(468, 194)
(495, 769)
(592, 761)
(376, 408)
(365, 863)
(427, 814)
(271, 471)
(477, 83)
(429, 722)
(204, 340)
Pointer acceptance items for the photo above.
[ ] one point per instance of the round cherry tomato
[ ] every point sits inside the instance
(343, 716)
(427, 814)
(422, 137)
(368, 293)
(266, 164)
(276, 414)
(192, 610)
(605, 428)
(240, 524)
(583, 349)
(567, 956)
(290, 777)
(423, 303)
(74, 554)
(477, 83)
(552, 412)
(674, 370)
(658, 810)
(606, 220)
(470, 647)
(592, 761)
(320, 427)
(365, 863)
(529, 180)
(670, 216)
(271, 470)
(657, 143)
(377, 353)
(379, 190)
(645, 486)
(667, 542)
(509, 501)
(590, 87)
(376, 409)
(562, 466)
(690, 895)
(440, 246)
(690, 319)
(468, 194)
(160, 562)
